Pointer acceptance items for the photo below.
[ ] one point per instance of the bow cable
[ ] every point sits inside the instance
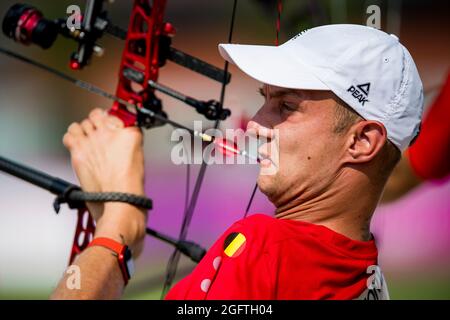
(187, 217)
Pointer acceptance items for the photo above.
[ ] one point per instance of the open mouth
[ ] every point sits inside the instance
(268, 153)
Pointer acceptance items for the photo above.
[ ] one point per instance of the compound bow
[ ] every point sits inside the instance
(147, 48)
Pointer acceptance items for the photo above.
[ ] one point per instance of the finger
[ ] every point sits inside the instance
(75, 130)
(87, 126)
(114, 122)
(68, 140)
(97, 117)
(137, 134)
(97, 112)
(134, 130)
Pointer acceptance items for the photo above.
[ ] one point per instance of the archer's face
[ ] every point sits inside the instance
(309, 150)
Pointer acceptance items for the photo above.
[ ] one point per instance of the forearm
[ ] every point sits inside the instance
(106, 157)
(99, 277)
(99, 273)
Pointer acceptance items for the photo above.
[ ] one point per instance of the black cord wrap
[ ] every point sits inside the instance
(76, 198)
(71, 194)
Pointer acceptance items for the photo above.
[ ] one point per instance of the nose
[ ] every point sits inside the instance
(266, 143)
(258, 130)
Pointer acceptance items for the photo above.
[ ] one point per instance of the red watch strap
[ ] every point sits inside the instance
(117, 248)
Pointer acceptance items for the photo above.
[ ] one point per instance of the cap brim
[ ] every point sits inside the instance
(271, 65)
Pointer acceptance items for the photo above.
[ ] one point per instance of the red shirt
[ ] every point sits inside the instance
(429, 155)
(261, 257)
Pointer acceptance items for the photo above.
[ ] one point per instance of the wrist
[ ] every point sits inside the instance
(121, 252)
(127, 183)
(123, 223)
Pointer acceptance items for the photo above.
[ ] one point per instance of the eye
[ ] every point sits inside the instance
(289, 107)
(261, 92)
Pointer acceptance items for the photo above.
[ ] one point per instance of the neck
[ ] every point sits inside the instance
(345, 207)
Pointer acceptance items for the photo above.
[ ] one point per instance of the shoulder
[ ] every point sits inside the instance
(249, 235)
(255, 222)
(257, 218)
(257, 226)
(259, 232)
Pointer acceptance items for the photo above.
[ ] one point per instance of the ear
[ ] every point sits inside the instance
(365, 140)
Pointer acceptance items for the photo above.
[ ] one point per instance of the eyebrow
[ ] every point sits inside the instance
(277, 93)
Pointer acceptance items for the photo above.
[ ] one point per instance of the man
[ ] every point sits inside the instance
(345, 100)
(425, 161)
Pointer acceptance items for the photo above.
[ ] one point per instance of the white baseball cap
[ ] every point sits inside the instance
(368, 69)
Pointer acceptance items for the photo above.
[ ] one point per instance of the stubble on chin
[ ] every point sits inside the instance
(269, 186)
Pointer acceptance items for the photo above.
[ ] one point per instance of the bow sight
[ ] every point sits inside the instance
(26, 24)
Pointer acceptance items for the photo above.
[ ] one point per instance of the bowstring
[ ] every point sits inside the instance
(174, 259)
(250, 201)
(277, 42)
(278, 23)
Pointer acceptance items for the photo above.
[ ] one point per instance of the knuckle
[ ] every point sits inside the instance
(73, 126)
(67, 140)
(115, 122)
(77, 158)
(86, 123)
(96, 113)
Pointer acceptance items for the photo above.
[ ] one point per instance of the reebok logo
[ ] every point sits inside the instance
(360, 92)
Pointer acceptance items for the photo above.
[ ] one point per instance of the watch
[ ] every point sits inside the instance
(123, 253)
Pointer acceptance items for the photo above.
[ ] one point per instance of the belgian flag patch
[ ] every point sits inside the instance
(234, 244)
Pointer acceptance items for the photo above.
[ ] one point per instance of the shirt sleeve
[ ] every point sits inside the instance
(235, 267)
(429, 155)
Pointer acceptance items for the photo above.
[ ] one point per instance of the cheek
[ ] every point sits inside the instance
(297, 142)
(305, 149)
